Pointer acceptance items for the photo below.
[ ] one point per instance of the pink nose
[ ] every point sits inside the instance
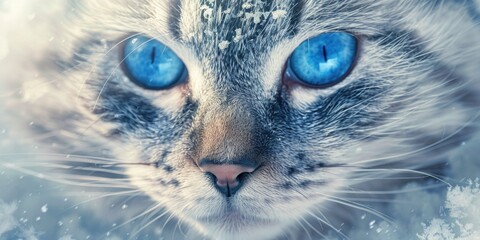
(226, 174)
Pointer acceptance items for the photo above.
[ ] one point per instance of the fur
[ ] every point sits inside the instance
(413, 94)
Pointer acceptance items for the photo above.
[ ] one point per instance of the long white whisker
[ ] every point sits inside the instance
(148, 224)
(329, 225)
(114, 70)
(96, 62)
(145, 212)
(106, 195)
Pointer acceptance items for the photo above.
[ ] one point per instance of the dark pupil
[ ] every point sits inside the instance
(153, 54)
(324, 53)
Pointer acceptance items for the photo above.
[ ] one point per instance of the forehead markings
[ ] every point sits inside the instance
(174, 18)
(234, 31)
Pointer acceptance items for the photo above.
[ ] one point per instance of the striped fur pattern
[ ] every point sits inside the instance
(413, 94)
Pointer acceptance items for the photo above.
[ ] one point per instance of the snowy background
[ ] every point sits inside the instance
(34, 208)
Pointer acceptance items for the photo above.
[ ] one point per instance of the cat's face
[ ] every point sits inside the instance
(307, 144)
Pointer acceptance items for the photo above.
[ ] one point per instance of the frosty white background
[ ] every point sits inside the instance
(32, 207)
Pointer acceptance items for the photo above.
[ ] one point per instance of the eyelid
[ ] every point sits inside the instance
(148, 69)
(304, 60)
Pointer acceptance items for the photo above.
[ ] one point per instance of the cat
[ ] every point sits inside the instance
(240, 148)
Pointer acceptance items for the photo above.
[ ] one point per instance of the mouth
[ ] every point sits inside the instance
(240, 225)
(234, 217)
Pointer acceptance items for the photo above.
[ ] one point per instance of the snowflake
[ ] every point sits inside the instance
(463, 221)
(223, 45)
(278, 14)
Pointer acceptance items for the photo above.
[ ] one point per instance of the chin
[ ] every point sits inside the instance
(231, 223)
(234, 228)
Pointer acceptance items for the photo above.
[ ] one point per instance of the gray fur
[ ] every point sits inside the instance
(413, 95)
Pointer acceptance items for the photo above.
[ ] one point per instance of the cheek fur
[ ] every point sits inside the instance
(411, 98)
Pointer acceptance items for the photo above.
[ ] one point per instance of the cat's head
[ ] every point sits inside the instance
(284, 147)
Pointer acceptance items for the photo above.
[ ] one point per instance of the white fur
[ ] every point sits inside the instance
(450, 34)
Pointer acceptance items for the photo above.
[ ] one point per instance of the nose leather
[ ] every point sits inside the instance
(226, 174)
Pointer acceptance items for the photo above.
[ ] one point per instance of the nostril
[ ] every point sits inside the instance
(226, 173)
(242, 176)
(227, 178)
(228, 189)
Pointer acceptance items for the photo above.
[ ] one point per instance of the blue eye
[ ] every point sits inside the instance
(323, 60)
(151, 64)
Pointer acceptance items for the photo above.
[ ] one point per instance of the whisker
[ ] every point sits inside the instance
(402, 170)
(114, 70)
(420, 149)
(304, 229)
(312, 227)
(148, 224)
(357, 206)
(390, 192)
(329, 225)
(106, 195)
(66, 156)
(62, 181)
(154, 208)
(94, 65)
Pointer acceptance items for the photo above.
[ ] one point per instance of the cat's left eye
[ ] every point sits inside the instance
(152, 65)
(324, 60)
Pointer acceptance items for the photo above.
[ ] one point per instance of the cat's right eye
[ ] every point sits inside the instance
(152, 65)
